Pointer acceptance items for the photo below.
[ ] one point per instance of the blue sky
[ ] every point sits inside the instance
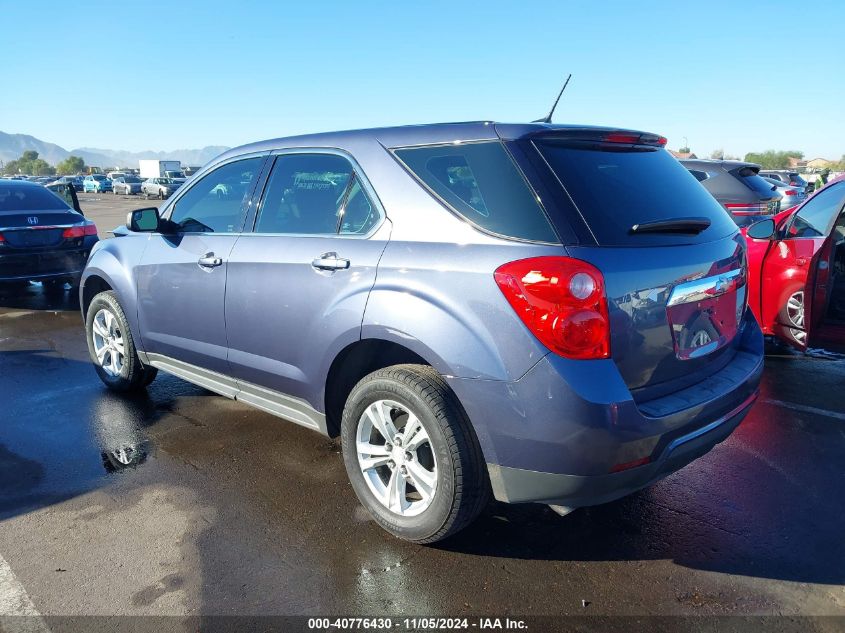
(185, 74)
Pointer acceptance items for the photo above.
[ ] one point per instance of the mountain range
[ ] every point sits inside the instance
(13, 145)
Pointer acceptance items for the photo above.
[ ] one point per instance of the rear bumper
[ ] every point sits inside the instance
(514, 485)
(44, 264)
(559, 433)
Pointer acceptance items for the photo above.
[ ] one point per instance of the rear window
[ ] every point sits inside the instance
(480, 183)
(615, 189)
(750, 178)
(29, 198)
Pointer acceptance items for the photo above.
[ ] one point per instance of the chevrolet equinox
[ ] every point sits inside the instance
(541, 313)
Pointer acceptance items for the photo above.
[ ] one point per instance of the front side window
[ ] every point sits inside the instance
(314, 194)
(214, 204)
(818, 214)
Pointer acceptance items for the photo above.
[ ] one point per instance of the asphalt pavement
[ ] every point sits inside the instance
(181, 502)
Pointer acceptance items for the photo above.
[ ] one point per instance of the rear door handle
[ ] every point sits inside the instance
(330, 261)
(210, 260)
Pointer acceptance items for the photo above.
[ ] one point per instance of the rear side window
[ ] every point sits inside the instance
(750, 178)
(481, 183)
(618, 187)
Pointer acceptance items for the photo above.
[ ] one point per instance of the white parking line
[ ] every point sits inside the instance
(805, 409)
(13, 597)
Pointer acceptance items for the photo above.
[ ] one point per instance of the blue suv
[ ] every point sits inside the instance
(537, 312)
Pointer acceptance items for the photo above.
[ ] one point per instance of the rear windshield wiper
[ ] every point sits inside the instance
(692, 226)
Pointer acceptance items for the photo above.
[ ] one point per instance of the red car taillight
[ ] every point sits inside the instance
(790, 192)
(2, 239)
(562, 301)
(79, 230)
(754, 208)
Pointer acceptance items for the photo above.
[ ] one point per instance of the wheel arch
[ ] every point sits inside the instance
(354, 362)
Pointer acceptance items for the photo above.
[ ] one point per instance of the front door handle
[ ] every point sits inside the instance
(330, 261)
(210, 260)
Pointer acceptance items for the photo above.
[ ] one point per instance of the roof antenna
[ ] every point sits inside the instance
(548, 117)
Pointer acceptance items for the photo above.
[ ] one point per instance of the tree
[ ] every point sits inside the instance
(71, 165)
(772, 159)
(717, 154)
(683, 150)
(30, 164)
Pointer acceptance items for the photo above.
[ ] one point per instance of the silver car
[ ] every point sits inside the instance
(160, 188)
(126, 185)
(791, 195)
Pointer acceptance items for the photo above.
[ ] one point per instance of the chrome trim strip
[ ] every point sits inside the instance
(281, 405)
(706, 288)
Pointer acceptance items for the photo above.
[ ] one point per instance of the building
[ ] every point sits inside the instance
(682, 155)
(819, 163)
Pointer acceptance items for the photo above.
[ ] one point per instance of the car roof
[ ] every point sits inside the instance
(409, 135)
(20, 183)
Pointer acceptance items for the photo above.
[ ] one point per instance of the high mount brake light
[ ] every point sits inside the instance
(79, 230)
(562, 301)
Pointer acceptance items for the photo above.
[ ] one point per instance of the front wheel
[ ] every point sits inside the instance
(111, 347)
(411, 454)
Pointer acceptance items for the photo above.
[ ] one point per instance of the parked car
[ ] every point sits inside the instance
(791, 178)
(41, 237)
(96, 183)
(796, 265)
(126, 185)
(737, 186)
(791, 195)
(76, 181)
(460, 313)
(160, 188)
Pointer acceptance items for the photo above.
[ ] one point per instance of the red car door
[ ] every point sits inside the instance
(827, 326)
(795, 274)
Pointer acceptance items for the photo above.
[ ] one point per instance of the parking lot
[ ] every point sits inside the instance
(227, 510)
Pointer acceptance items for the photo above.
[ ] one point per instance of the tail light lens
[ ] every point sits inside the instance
(79, 230)
(790, 192)
(754, 208)
(562, 301)
(2, 239)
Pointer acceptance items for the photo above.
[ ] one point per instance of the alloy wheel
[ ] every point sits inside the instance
(109, 345)
(396, 458)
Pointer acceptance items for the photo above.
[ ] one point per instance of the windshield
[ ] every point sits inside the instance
(749, 177)
(29, 198)
(131, 179)
(615, 188)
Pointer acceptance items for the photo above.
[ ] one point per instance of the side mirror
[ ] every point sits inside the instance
(143, 220)
(763, 230)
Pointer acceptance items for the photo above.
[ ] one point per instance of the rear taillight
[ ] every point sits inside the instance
(79, 230)
(562, 301)
(755, 208)
(2, 239)
(792, 183)
(790, 192)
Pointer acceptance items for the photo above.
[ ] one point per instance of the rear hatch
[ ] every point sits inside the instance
(762, 198)
(672, 259)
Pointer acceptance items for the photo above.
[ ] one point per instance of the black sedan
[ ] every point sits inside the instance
(41, 237)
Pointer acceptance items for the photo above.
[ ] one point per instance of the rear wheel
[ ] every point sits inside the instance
(111, 347)
(411, 454)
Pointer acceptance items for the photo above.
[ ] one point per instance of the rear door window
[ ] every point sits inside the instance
(481, 184)
(618, 187)
(314, 194)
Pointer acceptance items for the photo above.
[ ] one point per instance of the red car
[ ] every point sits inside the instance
(796, 267)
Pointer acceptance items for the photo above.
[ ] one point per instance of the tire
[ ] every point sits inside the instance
(160, 194)
(128, 374)
(450, 456)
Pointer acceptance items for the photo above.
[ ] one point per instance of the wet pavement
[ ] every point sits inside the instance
(179, 502)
